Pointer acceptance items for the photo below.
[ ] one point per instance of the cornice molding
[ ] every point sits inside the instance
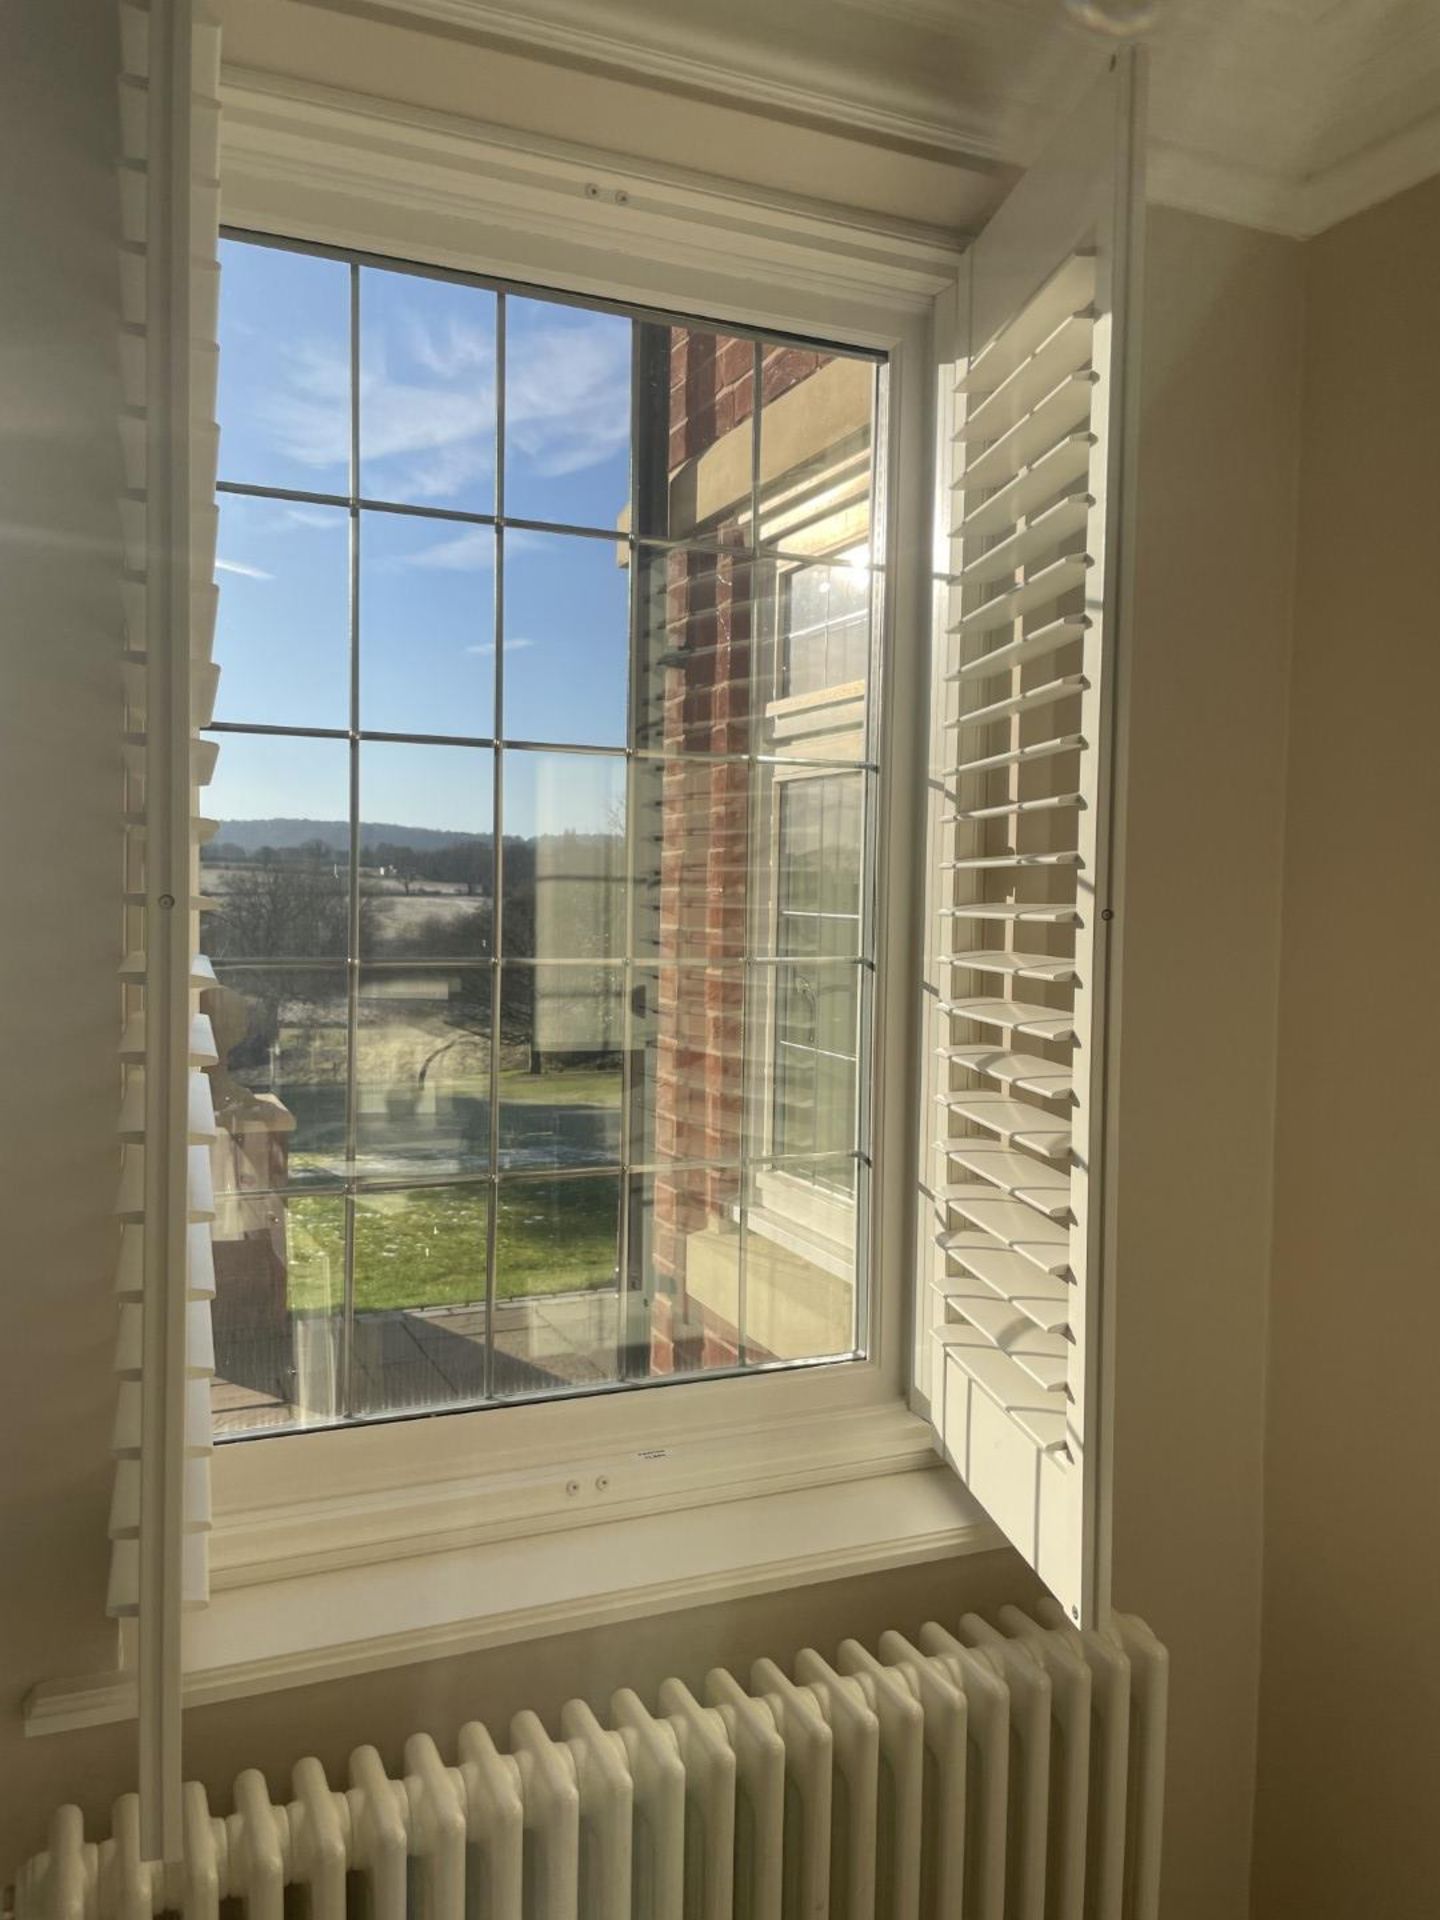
(984, 137)
(280, 132)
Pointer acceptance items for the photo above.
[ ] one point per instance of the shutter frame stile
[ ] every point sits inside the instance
(1013, 1323)
(160, 1514)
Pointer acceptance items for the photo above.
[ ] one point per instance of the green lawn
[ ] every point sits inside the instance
(423, 1249)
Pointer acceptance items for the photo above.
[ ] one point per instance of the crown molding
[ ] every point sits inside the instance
(986, 135)
(702, 69)
(285, 140)
(1367, 178)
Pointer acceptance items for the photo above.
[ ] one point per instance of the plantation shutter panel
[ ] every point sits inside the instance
(1022, 912)
(169, 120)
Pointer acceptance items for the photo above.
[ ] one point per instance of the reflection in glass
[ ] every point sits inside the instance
(277, 865)
(427, 391)
(688, 1034)
(284, 394)
(279, 1088)
(427, 847)
(798, 1294)
(824, 629)
(685, 1249)
(816, 414)
(567, 414)
(420, 1262)
(279, 1298)
(694, 456)
(556, 1282)
(567, 639)
(427, 626)
(564, 855)
(562, 1040)
(422, 1072)
(282, 630)
(704, 647)
(694, 893)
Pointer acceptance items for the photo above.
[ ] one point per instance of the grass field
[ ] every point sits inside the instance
(427, 1248)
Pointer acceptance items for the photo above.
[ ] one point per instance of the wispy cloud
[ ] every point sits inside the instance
(567, 397)
(488, 646)
(427, 399)
(243, 568)
(469, 552)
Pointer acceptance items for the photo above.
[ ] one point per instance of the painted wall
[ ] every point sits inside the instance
(1201, 954)
(1350, 1718)
(1215, 554)
(60, 787)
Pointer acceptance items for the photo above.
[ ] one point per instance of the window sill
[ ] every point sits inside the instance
(299, 1618)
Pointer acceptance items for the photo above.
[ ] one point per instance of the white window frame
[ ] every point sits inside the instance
(350, 1548)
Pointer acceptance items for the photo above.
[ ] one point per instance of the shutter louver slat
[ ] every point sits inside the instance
(1027, 1072)
(1000, 1275)
(1024, 1179)
(1067, 294)
(1062, 411)
(1014, 1121)
(1060, 577)
(1032, 700)
(1006, 1342)
(1017, 653)
(1014, 1016)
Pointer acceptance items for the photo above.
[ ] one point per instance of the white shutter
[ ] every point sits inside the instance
(1022, 913)
(160, 1513)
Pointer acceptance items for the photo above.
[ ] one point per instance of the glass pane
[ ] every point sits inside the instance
(567, 639)
(705, 647)
(426, 851)
(556, 1283)
(816, 1046)
(282, 630)
(278, 863)
(427, 626)
(567, 414)
(562, 1040)
(284, 396)
(420, 1257)
(816, 413)
(822, 659)
(694, 894)
(427, 391)
(279, 1087)
(564, 855)
(279, 1297)
(688, 1036)
(694, 455)
(818, 849)
(685, 1256)
(798, 1300)
(422, 1072)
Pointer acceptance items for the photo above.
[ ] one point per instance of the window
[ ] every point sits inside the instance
(540, 873)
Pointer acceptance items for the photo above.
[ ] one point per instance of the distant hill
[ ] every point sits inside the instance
(251, 835)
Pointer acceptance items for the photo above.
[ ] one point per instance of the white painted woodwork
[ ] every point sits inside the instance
(1021, 848)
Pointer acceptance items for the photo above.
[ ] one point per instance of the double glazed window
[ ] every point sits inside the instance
(539, 874)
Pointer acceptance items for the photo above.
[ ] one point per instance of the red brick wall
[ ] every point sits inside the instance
(704, 897)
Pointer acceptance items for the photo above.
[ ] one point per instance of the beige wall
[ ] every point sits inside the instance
(1350, 1725)
(1223, 320)
(59, 854)
(1203, 825)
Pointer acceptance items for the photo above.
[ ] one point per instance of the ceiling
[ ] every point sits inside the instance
(1284, 114)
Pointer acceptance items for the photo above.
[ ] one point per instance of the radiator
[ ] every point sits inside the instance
(1012, 1771)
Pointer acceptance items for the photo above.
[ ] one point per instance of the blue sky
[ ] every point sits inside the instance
(427, 384)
